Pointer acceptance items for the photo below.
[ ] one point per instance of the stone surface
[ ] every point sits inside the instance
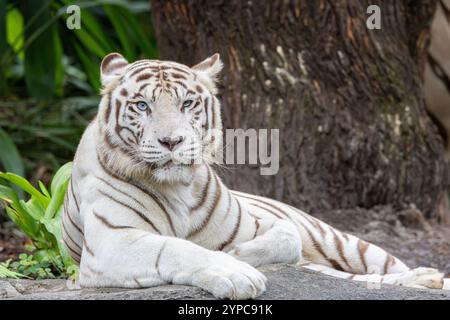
(285, 282)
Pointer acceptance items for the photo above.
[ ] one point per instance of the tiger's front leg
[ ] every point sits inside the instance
(276, 241)
(116, 253)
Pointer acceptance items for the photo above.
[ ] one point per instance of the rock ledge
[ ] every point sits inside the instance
(286, 282)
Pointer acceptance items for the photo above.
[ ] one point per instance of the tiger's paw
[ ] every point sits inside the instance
(228, 278)
(421, 278)
(250, 252)
(261, 251)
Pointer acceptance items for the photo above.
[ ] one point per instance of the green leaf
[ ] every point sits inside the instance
(44, 189)
(57, 200)
(59, 69)
(33, 208)
(15, 31)
(58, 189)
(55, 228)
(8, 195)
(61, 177)
(26, 186)
(19, 215)
(9, 155)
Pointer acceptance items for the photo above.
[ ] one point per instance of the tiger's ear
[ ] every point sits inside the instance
(208, 71)
(112, 67)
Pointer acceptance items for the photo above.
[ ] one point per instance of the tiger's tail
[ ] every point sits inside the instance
(446, 285)
(343, 255)
(416, 278)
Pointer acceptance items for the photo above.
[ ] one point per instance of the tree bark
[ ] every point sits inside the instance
(347, 100)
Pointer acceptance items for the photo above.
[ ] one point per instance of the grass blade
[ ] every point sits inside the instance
(43, 56)
(122, 30)
(91, 67)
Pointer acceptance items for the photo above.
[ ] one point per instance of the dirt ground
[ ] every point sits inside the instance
(404, 233)
(12, 243)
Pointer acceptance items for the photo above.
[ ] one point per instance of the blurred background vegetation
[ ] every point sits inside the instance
(49, 92)
(49, 75)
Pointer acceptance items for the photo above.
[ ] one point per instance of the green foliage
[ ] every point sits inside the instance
(38, 40)
(43, 54)
(39, 219)
(37, 267)
(49, 75)
(5, 271)
(47, 134)
(31, 267)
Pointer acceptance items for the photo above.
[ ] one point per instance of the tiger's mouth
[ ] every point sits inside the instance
(173, 172)
(175, 164)
(170, 163)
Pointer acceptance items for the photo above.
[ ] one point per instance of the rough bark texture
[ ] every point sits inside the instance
(348, 101)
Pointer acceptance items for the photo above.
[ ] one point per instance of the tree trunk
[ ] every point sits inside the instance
(347, 100)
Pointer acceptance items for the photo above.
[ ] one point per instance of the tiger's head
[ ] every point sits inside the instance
(159, 119)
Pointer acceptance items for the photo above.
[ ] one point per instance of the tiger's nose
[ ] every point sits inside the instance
(171, 142)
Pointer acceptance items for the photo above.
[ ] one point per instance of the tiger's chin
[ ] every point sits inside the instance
(172, 173)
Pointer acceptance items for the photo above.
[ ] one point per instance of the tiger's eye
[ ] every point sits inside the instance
(141, 105)
(187, 103)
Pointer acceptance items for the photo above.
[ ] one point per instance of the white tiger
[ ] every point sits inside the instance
(145, 208)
